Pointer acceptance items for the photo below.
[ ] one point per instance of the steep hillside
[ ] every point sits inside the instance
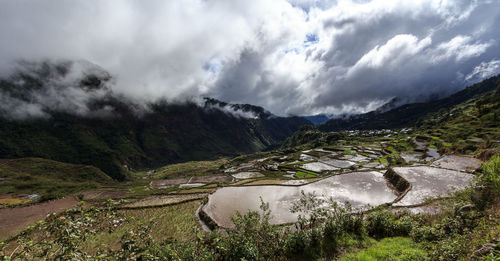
(408, 114)
(471, 127)
(47, 178)
(170, 133)
(114, 135)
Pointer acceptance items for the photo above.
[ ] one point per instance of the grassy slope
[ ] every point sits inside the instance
(47, 177)
(469, 127)
(188, 169)
(172, 222)
(406, 115)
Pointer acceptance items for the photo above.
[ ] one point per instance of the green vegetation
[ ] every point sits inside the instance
(393, 248)
(309, 136)
(349, 152)
(176, 221)
(192, 168)
(325, 230)
(410, 114)
(490, 175)
(301, 174)
(50, 179)
(470, 127)
(166, 133)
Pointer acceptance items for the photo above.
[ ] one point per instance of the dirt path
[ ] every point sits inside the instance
(14, 220)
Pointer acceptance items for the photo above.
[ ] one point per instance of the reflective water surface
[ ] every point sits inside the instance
(358, 188)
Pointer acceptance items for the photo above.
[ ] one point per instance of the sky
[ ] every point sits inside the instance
(299, 57)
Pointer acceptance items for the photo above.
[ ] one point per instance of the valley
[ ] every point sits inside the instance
(283, 130)
(413, 179)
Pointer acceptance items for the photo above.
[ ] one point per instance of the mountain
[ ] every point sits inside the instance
(317, 119)
(407, 115)
(392, 104)
(114, 134)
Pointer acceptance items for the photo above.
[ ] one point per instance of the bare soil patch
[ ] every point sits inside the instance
(14, 220)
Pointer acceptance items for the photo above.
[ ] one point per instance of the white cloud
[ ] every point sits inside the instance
(460, 48)
(396, 51)
(483, 71)
(297, 57)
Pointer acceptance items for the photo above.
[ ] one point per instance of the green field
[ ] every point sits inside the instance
(48, 178)
(302, 173)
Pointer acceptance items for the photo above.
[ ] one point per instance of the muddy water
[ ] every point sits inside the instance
(432, 154)
(409, 156)
(457, 162)
(336, 163)
(317, 166)
(358, 188)
(428, 182)
(247, 175)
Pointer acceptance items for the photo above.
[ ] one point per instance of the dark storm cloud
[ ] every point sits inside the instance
(418, 57)
(296, 57)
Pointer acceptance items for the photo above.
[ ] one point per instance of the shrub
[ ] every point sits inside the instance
(490, 175)
(296, 243)
(380, 224)
(327, 222)
(426, 233)
(404, 226)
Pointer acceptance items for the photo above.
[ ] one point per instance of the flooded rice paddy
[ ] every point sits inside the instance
(456, 162)
(247, 175)
(428, 182)
(364, 186)
(358, 188)
(350, 173)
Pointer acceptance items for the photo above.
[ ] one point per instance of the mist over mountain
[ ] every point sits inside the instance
(393, 115)
(67, 112)
(290, 57)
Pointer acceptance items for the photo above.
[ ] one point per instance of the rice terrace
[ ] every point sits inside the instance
(249, 130)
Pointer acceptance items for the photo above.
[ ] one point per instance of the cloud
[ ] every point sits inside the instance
(232, 111)
(291, 57)
(483, 71)
(35, 90)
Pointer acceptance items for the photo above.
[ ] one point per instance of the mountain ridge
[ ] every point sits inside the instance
(406, 115)
(109, 132)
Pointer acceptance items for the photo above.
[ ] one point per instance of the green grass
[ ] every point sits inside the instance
(490, 175)
(191, 168)
(349, 152)
(172, 222)
(302, 173)
(395, 248)
(48, 178)
(468, 127)
(175, 221)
